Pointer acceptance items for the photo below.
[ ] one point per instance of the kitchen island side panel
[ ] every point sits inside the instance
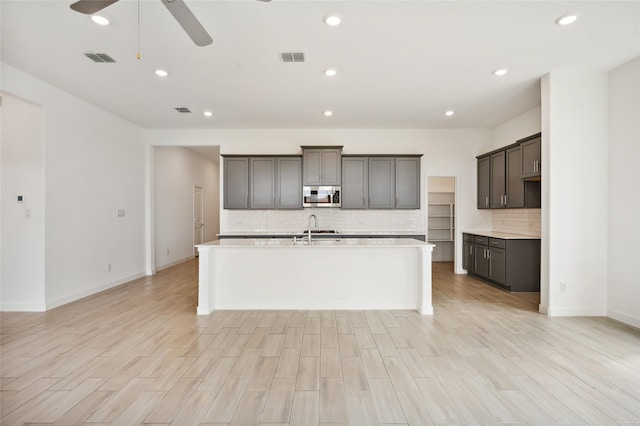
(315, 278)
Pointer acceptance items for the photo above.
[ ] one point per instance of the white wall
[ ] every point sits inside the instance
(574, 187)
(176, 172)
(623, 295)
(517, 128)
(22, 224)
(446, 153)
(93, 167)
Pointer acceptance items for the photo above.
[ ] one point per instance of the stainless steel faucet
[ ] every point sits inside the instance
(315, 220)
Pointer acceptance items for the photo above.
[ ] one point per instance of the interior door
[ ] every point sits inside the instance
(198, 224)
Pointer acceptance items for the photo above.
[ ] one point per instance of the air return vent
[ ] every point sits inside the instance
(183, 110)
(292, 57)
(99, 57)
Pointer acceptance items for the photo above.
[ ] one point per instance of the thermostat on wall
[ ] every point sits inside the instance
(21, 198)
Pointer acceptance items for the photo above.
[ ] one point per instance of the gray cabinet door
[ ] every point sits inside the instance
(263, 183)
(497, 265)
(321, 166)
(514, 184)
(236, 183)
(531, 153)
(467, 256)
(498, 174)
(312, 166)
(382, 185)
(355, 192)
(484, 182)
(407, 182)
(481, 260)
(331, 166)
(289, 183)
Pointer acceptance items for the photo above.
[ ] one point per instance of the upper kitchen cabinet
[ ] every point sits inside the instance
(500, 178)
(382, 182)
(514, 184)
(355, 179)
(289, 182)
(407, 182)
(484, 182)
(498, 184)
(236, 183)
(531, 155)
(321, 165)
(262, 184)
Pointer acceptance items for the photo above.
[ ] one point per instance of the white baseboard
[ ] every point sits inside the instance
(576, 312)
(624, 318)
(19, 307)
(177, 262)
(92, 291)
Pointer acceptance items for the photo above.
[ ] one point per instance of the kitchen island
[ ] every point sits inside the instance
(326, 274)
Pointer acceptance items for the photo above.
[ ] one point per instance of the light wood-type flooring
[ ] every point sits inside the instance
(138, 354)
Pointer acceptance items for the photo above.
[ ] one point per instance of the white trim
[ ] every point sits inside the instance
(543, 309)
(624, 318)
(177, 262)
(305, 306)
(92, 291)
(18, 307)
(576, 312)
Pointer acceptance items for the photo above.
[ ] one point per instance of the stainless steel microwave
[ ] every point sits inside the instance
(321, 196)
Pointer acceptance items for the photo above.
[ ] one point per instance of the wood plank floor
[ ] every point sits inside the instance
(138, 354)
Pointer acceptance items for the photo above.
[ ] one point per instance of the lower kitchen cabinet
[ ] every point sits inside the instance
(512, 264)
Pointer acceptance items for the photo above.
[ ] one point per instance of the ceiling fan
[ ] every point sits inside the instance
(178, 9)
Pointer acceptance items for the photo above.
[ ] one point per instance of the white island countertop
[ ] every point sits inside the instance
(316, 242)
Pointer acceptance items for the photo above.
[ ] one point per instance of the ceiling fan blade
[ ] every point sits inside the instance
(265, 0)
(89, 7)
(188, 22)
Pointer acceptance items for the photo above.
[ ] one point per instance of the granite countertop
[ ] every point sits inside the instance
(502, 235)
(338, 242)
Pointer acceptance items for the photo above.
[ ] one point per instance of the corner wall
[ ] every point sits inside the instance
(623, 272)
(22, 285)
(575, 204)
(93, 167)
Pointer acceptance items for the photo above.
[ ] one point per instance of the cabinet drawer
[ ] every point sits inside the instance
(497, 242)
(467, 237)
(484, 241)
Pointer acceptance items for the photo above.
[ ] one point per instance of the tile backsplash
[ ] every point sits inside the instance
(344, 221)
(517, 221)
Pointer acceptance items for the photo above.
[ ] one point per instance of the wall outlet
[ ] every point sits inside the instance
(109, 267)
(563, 287)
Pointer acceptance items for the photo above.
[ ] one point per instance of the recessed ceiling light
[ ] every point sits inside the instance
(449, 113)
(500, 72)
(208, 113)
(566, 19)
(328, 113)
(161, 73)
(332, 20)
(330, 72)
(100, 20)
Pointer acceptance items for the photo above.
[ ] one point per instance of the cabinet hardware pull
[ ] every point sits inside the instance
(486, 201)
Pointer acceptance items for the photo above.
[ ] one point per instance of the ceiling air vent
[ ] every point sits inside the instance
(183, 110)
(99, 57)
(292, 57)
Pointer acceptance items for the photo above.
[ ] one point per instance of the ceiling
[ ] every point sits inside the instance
(401, 64)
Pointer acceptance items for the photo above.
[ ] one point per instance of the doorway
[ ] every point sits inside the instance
(441, 215)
